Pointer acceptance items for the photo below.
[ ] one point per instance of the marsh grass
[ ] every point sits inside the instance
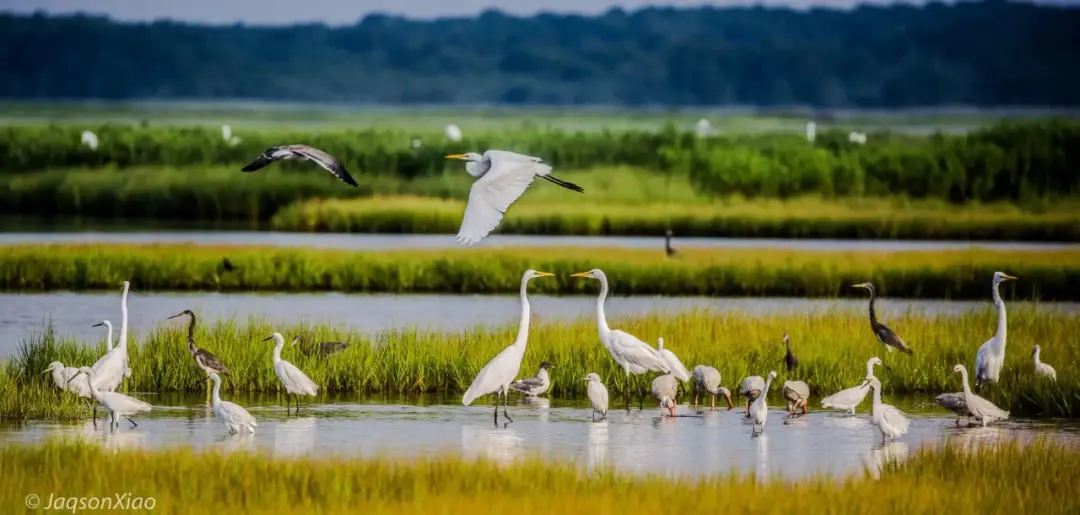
(832, 347)
(1000, 478)
(1051, 275)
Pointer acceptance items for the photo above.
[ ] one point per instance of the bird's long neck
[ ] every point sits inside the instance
(873, 316)
(765, 390)
(964, 380)
(191, 335)
(523, 326)
(58, 376)
(277, 350)
(217, 392)
(999, 337)
(123, 320)
(108, 336)
(93, 389)
(869, 368)
(601, 320)
(877, 399)
(1037, 361)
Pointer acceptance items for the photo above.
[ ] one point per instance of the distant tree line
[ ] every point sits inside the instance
(975, 53)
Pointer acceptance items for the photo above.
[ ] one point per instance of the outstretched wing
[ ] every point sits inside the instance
(491, 195)
(327, 161)
(264, 159)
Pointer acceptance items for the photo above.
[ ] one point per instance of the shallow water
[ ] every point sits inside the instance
(442, 241)
(641, 442)
(74, 314)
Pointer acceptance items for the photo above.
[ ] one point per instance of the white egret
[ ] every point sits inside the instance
(501, 178)
(857, 137)
(790, 361)
(751, 389)
(535, 386)
(227, 135)
(415, 143)
(117, 404)
(665, 388)
(62, 376)
(955, 403)
(848, 398)
(453, 132)
(206, 361)
(633, 355)
(704, 128)
(90, 140)
(673, 362)
(708, 379)
(233, 416)
(811, 131)
(886, 336)
(497, 375)
(598, 395)
(890, 421)
(108, 336)
(760, 409)
(797, 394)
(296, 383)
(1041, 368)
(112, 368)
(327, 161)
(991, 355)
(983, 410)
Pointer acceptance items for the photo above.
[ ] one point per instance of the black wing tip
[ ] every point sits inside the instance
(258, 163)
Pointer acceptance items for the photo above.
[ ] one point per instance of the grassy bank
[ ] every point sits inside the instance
(950, 274)
(991, 479)
(832, 348)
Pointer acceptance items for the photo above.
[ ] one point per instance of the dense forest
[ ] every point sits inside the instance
(974, 53)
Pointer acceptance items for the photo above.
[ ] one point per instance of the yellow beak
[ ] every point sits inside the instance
(1008, 277)
(544, 274)
(580, 274)
(456, 156)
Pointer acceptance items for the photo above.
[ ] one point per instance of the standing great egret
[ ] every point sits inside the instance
(797, 394)
(633, 355)
(327, 161)
(296, 383)
(790, 361)
(848, 398)
(501, 178)
(760, 409)
(665, 388)
(497, 375)
(535, 386)
(108, 335)
(884, 335)
(1041, 368)
(90, 140)
(708, 378)
(677, 368)
(112, 368)
(751, 389)
(452, 132)
(598, 395)
(118, 404)
(206, 361)
(983, 410)
(890, 421)
(233, 416)
(991, 355)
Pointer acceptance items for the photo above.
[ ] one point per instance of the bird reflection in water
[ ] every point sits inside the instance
(501, 445)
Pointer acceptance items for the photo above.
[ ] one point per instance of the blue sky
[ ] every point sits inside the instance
(337, 12)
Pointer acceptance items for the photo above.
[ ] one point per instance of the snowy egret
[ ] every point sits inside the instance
(90, 140)
(206, 361)
(62, 376)
(497, 375)
(751, 389)
(708, 378)
(884, 335)
(117, 404)
(296, 383)
(797, 393)
(633, 355)
(790, 361)
(1041, 368)
(760, 409)
(327, 161)
(112, 368)
(664, 388)
(108, 336)
(983, 410)
(991, 355)
(673, 362)
(848, 398)
(890, 421)
(535, 386)
(598, 395)
(233, 416)
(452, 132)
(501, 178)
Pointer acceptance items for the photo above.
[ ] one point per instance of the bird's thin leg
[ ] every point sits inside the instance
(496, 409)
(628, 391)
(640, 397)
(506, 400)
(133, 424)
(297, 405)
(695, 399)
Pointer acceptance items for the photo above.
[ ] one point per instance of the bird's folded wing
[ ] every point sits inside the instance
(530, 382)
(895, 418)
(492, 194)
(327, 161)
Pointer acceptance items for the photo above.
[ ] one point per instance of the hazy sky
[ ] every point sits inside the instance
(338, 12)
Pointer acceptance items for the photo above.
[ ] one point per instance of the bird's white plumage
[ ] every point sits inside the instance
(507, 177)
(598, 394)
(453, 132)
(890, 421)
(759, 410)
(673, 362)
(235, 418)
(991, 355)
(707, 378)
(293, 379)
(980, 408)
(68, 378)
(116, 403)
(633, 355)
(664, 389)
(113, 367)
(848, 398)
(90, 140)
(1041, 368)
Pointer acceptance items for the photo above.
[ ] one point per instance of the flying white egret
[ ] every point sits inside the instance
(497, 375)
(296, 383)
(327, 161)
(108, 337)
(501, 178)
(677, 367)
(90, 140)
(233, 416)
(1041, 368)
(535, 386)
(890, 421)
(453, 132)
(227, 135)
(760, 409)
(117, 404)
(848, 398)
(797, 393)
(991, 355)
(598, 395)
(751, 389)
(886, 336)
(708, 378)
(790, 361)
(955, 403)
(112, 368)
(665, 388)
(206, 361)
(633, 355)
(983, 410)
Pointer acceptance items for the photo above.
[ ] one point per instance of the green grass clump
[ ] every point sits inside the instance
(832, 348)
(1001, 478)
(948, 274)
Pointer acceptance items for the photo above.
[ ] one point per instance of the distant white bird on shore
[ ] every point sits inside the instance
(1042, 368)
(90, 140)
(857, 138)
(704, 128)
(598, 395)
(811, 131)
(227, 135)
(453, 132)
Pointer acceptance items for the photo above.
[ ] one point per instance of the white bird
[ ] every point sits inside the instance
(708, 378)
(857, 137)
(327, 161)
(1041, 368)
(848, 398)
(62, 376)
(890, 421)
(117, 404)
(296, 383)
(535, 386)
(991, 355)
(797, 393)
(760, 409)
(453, 132)
(676, 366)
(497, 375)
(226, 134)
(232, 415)
(501, 178)
(112, 368)
(983, 410)
(108, 335)
(633, 355)
(811, 131)
(704, 128)
(751, 389)
(598, 395)
(664, 388)
(416, 143)
(90, 140)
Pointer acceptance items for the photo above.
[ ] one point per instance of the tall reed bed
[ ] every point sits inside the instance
(832, 347)
(753, 272)
(1002, 478)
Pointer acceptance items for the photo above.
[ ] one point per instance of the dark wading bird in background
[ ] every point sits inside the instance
(320, 348)
(327, 161)
(884, 335)
(668, 249)
(203, 358)
(790, 361)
